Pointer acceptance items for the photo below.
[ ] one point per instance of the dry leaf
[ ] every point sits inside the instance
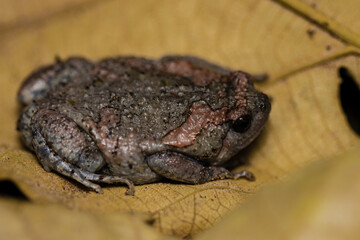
(320, 203)
(21, 220)
(289, 40)
(18, 14)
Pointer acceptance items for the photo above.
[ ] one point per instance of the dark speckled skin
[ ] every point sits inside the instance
(135, 120)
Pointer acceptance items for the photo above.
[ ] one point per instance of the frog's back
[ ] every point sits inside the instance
(145, 103)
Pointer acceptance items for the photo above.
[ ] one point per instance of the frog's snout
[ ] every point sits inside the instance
(263, 103)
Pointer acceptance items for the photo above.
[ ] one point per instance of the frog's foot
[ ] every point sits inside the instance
(109, 179)
(179, 167)
(244, 174)
(51, 161)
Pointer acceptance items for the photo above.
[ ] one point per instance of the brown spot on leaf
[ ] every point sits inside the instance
(311, 33)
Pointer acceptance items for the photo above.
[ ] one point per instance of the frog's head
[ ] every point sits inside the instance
(246, 119)
(248, 125)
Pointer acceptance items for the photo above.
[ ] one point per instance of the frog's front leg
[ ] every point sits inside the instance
(179, 167)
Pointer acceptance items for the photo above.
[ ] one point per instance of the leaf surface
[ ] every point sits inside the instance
(21, 220)
(321, 202)
(302, 45)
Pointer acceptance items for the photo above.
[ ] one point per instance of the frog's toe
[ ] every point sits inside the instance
(245, 174)
(109, 179)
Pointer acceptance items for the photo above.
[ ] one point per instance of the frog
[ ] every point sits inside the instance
(133, 120)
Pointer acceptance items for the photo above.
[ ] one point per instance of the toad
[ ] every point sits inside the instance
(134, 120)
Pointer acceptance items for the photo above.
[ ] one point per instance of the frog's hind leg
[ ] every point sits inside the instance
(63, 147)
(179, 167)
(53, 162)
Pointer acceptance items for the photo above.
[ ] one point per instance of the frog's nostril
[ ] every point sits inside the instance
(263, 103)
(262, 106)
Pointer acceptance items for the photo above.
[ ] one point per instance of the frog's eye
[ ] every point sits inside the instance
(242, 123)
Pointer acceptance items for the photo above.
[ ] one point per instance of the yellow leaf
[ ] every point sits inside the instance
(21, 220)
(300, 44)
(18, 13)
(319, 203)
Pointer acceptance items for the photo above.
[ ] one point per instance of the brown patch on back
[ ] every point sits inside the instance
(201, 117)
